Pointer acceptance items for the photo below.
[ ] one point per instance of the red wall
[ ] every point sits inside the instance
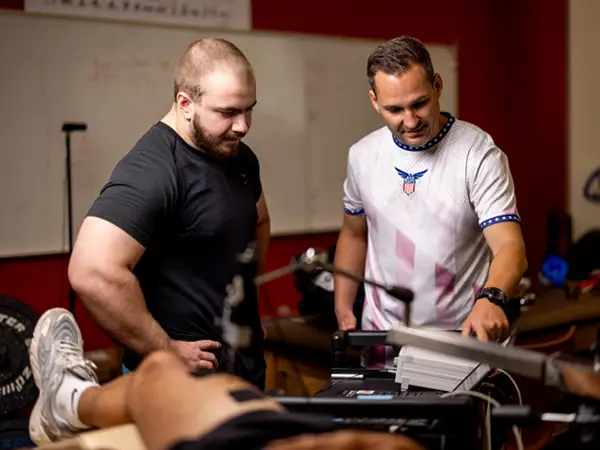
(512, 83)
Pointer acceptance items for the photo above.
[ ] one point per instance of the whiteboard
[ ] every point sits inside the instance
(117, 77)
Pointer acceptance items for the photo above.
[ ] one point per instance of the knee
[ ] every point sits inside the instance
(157, 361)
(152, 370)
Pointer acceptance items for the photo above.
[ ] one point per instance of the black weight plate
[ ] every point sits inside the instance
(15, 434)
(17, 388)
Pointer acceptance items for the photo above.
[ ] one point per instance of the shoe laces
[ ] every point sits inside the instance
(71, 358)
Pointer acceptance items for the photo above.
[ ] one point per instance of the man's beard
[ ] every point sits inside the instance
(220, 147)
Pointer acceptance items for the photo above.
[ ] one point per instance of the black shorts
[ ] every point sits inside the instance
(254, 430)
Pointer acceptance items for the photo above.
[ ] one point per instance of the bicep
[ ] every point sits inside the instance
(102, 252)
(503, 234)
(355, 225)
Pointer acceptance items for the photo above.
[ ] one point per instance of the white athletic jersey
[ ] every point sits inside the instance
(425, 209)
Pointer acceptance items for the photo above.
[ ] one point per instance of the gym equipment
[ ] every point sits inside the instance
(440, 423)
(550, 371)
(17, 388)
(436, 423)
(371, 399)
(318, 260)
(238, 335)
(15, 434)
(580, 381)
(316, 291)
(68, 128)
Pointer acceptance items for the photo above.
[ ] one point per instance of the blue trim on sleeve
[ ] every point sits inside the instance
(354, 212)
(498, 219)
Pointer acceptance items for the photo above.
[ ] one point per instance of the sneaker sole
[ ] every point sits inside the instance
(36, 428)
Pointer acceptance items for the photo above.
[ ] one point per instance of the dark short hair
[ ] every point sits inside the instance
(397, 56)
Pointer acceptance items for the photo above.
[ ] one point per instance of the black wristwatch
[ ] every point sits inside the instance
(494, 295)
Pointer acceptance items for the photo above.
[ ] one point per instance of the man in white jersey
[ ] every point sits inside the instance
(429, 204)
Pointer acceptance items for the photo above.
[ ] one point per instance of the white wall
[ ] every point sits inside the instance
(584, 105)
(117, 78)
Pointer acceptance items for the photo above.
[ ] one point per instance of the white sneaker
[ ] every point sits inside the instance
(56, 349)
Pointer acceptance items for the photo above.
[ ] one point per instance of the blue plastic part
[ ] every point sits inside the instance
(555, 269)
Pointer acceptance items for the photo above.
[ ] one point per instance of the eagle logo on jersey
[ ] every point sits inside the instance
(410, 180)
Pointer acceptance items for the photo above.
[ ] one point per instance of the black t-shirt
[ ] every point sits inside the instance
(195, 215)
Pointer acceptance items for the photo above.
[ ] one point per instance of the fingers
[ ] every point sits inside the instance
(346, 320)
(481, 332)
(479, 329)
(485, 328)
(348, 323)
(203, 364)
(207, 345)
(347, 326)
(466, 329)
(209, 358)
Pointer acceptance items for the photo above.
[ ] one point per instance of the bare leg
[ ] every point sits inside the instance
(70, 399)
(161, 397)
(106, 406)
(168, 405)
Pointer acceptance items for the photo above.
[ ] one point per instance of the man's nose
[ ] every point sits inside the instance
(410, 120)
(241, 125)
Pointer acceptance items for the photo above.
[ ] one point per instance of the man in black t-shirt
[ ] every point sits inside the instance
(159, 246)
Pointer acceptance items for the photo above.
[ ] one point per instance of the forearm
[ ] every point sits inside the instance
(262, 236)
(118, 306)
(350, 255)
(507, 268)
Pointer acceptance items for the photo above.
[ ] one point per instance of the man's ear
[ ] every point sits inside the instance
(373, 98)
(184, 102)
(438, 84)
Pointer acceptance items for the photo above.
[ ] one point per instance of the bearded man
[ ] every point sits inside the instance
(159, 246)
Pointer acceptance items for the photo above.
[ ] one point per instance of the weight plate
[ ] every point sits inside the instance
(15, 434)
(17, 388)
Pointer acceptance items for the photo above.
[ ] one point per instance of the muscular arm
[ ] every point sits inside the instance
(100, 271)
(486, 319)
(492, 193)
(350, 255)
(510, 261)
(263, 232)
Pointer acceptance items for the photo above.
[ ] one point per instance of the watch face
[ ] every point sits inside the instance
(495, 294)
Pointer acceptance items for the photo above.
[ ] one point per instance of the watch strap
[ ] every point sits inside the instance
(494, 295)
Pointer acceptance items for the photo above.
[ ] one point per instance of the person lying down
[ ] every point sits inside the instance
(171, 408)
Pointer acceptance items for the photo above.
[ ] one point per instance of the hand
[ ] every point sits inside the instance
(486, 320)
(194, 355)
(346, 320)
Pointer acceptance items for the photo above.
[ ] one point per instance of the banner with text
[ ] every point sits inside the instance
(209, 14)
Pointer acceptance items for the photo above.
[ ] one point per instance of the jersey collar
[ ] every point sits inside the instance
(438, 137)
